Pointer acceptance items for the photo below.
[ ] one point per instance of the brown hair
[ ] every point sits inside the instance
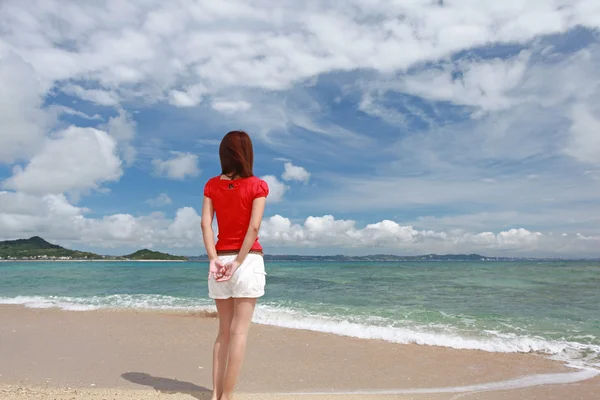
(237, 156)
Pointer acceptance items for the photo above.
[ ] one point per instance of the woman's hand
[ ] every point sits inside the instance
(215, 269)
(228, 270)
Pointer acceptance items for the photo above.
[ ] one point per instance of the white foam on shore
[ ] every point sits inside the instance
(573, 353)
(117, 301)
(516, 383)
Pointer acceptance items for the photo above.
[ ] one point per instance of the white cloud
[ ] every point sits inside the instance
(54, 218)
(584, 141)
(122, 127)
(189, 97)
(517, 108)
(326, 231)
(51, 216)
(295, 173)
(161, 200)
(98, 96)
(22, 120)
(154, 53)
(61, 109)
(276, 120)
(276, 188)
(77, 159)
(258, 45)
(180, 166)
(230, 107)
(484, 84)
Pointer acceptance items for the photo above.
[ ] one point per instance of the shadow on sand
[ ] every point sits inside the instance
(166, 385)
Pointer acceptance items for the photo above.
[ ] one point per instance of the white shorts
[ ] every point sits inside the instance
(247, 281)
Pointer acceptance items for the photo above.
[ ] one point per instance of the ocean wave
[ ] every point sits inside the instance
(116, 301)
(570, 351)
(574, 353)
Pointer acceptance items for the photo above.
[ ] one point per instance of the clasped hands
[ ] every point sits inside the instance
(222, 272)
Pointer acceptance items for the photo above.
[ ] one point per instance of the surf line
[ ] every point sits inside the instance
(517, 383)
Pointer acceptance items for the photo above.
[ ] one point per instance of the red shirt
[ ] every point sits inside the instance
(232, 201)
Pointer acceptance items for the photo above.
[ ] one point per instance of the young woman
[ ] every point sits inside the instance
(236, 276)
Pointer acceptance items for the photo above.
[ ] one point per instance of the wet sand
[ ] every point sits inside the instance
(54, 354)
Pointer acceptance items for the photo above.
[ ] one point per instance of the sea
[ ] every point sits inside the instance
(545, 307)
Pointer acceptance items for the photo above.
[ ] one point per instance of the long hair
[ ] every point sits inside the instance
(236, 154)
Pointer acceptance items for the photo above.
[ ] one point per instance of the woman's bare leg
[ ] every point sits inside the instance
(242, 317)
(221, 349)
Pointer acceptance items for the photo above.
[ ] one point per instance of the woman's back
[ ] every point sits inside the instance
(232, 202)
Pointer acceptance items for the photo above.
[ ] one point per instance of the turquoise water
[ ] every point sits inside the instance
(547, 307)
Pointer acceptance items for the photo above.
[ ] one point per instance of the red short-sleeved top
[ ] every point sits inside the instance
(232, 201)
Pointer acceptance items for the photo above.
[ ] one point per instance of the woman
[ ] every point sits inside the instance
(236, 276)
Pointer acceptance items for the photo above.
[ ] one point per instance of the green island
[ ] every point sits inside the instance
(146, 254)
(36, 248)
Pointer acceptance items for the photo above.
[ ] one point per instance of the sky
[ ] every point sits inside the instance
(402, 127)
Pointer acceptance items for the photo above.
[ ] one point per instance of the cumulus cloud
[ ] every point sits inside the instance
(180, 166)
(295, 173)
(77, 159)
(326, 231)
(54, 218)
(276, 188)
(161, 200)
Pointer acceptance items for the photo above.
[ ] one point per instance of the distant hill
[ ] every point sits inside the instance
(146, 254)
(385, 257)
(38, 248)
(373, 257)
(382, 258)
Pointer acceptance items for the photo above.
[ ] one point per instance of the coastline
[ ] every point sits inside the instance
(61, 261)
(127, 353)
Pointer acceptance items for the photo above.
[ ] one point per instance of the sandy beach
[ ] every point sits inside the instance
(54, 354)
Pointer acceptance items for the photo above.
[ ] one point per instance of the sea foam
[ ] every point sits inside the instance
(572, 352)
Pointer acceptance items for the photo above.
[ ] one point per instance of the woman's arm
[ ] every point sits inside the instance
(258, 209)
(208, 234)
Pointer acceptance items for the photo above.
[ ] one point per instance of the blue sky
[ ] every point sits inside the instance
(388, 126)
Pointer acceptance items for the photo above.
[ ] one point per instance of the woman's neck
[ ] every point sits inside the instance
(231, 176)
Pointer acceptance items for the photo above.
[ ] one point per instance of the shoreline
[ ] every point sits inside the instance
(61, 261)
(128, 351)
(272, 316)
